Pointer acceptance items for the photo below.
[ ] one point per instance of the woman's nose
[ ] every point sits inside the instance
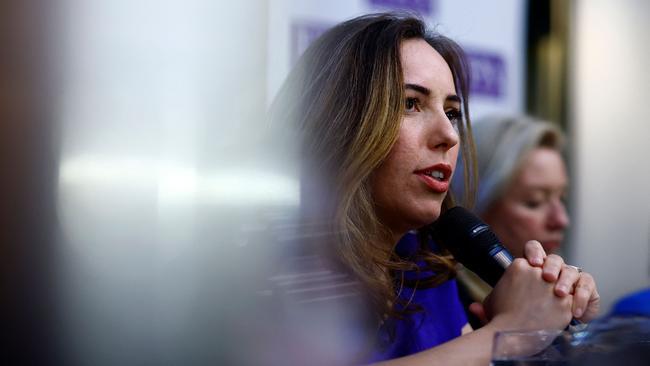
(559, 219)
(444, 136)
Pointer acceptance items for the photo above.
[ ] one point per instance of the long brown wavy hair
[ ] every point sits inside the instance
(345, 100)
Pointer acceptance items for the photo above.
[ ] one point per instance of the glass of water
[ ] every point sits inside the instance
(530, 348)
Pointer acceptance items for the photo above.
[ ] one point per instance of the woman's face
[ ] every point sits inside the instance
(532, 207)
(409, 186)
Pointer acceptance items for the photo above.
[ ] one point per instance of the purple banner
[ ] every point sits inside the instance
(303, 33)
(488, 74)
(424, 7)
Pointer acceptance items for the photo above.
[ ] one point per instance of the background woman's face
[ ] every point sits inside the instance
(532, 207)
(410, 185)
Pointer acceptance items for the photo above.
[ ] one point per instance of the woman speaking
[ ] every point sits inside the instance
(380, 106)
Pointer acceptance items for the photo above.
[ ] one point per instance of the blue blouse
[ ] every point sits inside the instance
(441, 316)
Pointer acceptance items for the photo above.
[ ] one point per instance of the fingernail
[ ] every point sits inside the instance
(577, 313)
(563, 289)
(538, 261)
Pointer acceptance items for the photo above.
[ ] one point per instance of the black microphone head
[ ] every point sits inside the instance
(470, 241)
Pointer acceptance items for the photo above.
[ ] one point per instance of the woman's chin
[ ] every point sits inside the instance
(551, 246)
(412, 219)
(428, 218)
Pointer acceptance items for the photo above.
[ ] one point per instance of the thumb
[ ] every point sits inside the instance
(478, 310)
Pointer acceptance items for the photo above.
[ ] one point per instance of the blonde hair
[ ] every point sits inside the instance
(345, 98)
(502, 143)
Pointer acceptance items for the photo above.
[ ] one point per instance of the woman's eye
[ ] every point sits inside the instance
(532, 204)
(411, 105)
(454, 116)
(535, 203)
(564, 198)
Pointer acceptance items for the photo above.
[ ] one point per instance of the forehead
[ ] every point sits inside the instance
(423, 65)
(542, 166)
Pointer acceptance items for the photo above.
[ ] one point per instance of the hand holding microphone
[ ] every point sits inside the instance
(474, 245)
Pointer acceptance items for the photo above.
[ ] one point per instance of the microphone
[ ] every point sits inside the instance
(472, 243)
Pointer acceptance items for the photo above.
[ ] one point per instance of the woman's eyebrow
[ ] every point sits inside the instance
(453, 98)
(426, 91)
(418, 88)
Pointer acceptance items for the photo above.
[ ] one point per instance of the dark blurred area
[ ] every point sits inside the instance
(28, 166)
(547, 61)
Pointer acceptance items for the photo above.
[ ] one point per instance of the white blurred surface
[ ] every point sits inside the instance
(610, 89)
(162, 173)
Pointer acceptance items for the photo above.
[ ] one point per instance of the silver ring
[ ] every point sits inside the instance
(579, 269)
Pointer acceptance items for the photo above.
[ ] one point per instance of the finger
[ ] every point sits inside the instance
(478, 310)
(584, 293)
(534, 253)
(553, 265)
(569, 277)
(593, 308)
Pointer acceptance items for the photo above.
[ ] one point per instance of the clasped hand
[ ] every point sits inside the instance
(540, 291)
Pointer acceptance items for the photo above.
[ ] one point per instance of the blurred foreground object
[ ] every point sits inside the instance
(27, 184)
(143, 219)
